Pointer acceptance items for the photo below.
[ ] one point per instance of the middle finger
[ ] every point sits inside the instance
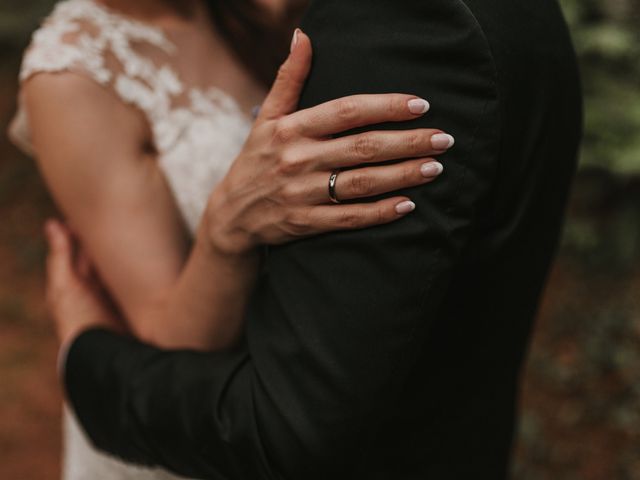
(375, 147)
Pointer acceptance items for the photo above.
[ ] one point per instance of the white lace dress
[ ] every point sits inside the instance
(197, 133)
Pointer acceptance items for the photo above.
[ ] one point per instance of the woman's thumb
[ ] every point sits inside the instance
(285, 93)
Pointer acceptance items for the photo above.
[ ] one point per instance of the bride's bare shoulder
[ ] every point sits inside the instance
(71, 111)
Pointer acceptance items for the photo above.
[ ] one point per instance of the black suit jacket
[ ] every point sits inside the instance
(391, 352)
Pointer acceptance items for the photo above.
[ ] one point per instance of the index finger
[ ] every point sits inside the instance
(355, 111)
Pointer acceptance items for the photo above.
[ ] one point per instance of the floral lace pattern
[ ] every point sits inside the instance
(197, 133)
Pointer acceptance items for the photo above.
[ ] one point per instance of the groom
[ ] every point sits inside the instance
(394, 352)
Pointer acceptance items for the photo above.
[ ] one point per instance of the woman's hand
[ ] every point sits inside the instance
(74, 296)
(277, 190)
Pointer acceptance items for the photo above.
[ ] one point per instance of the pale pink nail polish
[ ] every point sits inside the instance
(418, 106)
(294, 40)
(405, 207)
(442, 141)
(431, 169)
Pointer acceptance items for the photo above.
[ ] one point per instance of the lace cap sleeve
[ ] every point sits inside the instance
(120, 54)
(68, 40)
(85, 37)
(81, 35)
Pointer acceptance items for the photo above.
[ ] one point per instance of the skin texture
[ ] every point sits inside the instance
(120, 208)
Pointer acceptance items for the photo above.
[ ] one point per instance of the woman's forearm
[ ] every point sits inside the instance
(204, 309)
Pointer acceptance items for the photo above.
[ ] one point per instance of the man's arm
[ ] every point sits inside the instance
(337, 320)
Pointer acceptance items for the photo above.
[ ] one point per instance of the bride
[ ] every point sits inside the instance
(138, 110)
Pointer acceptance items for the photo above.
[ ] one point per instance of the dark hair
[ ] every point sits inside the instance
(258, 41)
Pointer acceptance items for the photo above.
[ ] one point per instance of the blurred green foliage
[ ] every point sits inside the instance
(603, 229)
(607, 38)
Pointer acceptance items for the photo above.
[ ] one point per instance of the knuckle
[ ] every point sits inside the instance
(287, 75)
(415, 142)
(347, 109)
(290, 163)
(365, 148)
(283, 132)
(297, 223)
(408, 174)
(380, 215)
(350, 219)
(291, 192)
(395, 105)
(284, 73)
(361, 184)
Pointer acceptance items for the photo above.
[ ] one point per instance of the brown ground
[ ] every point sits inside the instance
(29, 396)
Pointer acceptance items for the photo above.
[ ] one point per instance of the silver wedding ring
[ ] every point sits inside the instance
(332, 186)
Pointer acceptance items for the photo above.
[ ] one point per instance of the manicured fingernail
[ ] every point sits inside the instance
(294, 40)
(405, 207)
(431, 169)
(442, 141)
(418, 106)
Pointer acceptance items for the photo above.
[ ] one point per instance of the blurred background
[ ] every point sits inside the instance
(580, 409)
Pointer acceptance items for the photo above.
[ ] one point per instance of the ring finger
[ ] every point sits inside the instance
(371, 181)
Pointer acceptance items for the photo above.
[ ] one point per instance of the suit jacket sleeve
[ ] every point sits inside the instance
(336, 321)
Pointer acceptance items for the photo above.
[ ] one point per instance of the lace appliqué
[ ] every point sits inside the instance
(78, 34)
(196, 131)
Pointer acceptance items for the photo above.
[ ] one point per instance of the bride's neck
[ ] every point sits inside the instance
(164, 12)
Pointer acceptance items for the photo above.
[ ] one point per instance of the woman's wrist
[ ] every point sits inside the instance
(217, 245)
(218, 233)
